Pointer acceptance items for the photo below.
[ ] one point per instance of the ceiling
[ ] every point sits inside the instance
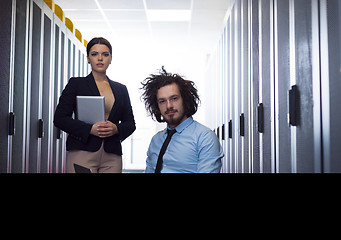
(186, 23)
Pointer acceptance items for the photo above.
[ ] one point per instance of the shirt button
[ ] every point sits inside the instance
(164, 165)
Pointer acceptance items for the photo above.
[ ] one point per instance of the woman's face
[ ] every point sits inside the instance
(99, 58)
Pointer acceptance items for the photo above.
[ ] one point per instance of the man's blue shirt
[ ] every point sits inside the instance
(194, 148)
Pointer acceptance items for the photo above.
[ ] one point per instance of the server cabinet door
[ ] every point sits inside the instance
(282, 84)
(59, 75)
(47, 94)
(266, 81)
(331, 83)
(34, 103)
(297, 86)
(239, 161)
(245, 79)
(254, 85)
(232, 101)
(221, 95)
(56, 132)
(20, 86)
(59, 136)
(5, 81)
(228, 151)
(307, 137)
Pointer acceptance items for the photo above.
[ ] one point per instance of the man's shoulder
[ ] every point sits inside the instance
(200, 128)
(158, 135)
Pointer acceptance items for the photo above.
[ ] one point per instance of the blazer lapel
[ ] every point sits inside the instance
(95, 92)
(92, 85)
(117, 98)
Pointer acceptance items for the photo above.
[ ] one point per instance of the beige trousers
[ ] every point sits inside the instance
(97, 162)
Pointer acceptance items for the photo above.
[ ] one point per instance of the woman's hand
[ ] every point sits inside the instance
(104, 129)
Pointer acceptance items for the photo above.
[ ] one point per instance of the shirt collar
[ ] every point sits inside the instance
(183, 125)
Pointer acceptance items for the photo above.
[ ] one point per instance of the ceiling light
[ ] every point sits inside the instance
(169, 15)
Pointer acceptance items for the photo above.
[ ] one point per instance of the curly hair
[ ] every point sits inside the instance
(153, 83)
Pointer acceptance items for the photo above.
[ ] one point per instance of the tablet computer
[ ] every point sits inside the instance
(90, 109)
(81, 169)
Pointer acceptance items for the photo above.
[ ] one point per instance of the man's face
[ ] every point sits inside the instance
(171, 105)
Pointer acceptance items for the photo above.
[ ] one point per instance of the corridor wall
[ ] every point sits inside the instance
(41, 55)
(276, 70)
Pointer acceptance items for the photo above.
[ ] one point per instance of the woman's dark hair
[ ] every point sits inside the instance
(153, 83)
(98, 40)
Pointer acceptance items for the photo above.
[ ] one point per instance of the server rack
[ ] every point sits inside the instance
(280, 62)
(40, 51)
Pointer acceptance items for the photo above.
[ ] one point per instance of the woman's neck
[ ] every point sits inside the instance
(99, 76)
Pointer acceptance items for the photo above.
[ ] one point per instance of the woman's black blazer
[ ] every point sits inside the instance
(79, 132)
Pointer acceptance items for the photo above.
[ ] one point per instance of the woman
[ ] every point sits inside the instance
(98, 146)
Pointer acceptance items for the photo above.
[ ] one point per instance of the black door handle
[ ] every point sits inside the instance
(294, 106)
(58, 133)
(11, 124)
(242, 124)
(223, 132)
(260, 112)
(40, 128)
(230, 129)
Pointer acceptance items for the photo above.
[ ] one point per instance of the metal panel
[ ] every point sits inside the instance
(232, 91)
(266, 83)
(228, 152)
(282, 85)
(33, 143)
(237, 87)
(47, 93)
(250, 79)
(223, 98)
(254, 86)
(56, 94)
(20, 86)
(59, 76)
(316, 82)
(6, 34)
(69, 66)
(305, 145)
(331, 87)
(59, 85)
(245, 79)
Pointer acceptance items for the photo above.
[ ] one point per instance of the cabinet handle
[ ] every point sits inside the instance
(260, 112)
(58, 133)
(242, 124)
(40, 128)
(293, 105)
(223, 132)
(11, 124)
(230, 129)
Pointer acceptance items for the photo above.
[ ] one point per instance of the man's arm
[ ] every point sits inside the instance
(210, 153)
(149, 168)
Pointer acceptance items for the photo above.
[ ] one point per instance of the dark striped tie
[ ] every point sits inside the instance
(163, 150)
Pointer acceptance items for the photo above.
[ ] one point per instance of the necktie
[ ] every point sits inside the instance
(163, 150)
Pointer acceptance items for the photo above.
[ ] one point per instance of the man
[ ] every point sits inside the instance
(186, 146)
